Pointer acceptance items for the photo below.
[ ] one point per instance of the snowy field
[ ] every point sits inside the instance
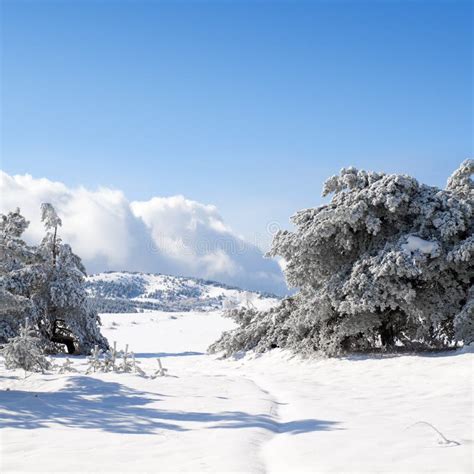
(272, 413)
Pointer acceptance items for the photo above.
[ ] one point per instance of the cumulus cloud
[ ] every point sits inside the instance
(171, 235)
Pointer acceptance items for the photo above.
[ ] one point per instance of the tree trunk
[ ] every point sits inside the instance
(67, 341)
(54, 245)
(387, 335)
(58, 338)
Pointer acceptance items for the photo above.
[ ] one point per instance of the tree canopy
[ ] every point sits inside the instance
(387, 262)
(44, 284)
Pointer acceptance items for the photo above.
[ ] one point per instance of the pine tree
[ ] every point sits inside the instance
(17, 278)
(25, 351)
(388, 262)
(46, 284)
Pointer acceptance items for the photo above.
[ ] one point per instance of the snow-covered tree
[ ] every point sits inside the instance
(388, 262)
(114, 360)
(67, 366)
(161, 371)
(25, 351)
(15, 258)
(51, 242)
(45, 284)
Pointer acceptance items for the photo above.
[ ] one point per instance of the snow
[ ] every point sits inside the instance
(108, 276)
(259, 414)
(173, 287)
(417, 244)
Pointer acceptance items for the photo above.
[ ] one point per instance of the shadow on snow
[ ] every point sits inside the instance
(154, 355)
(90, 403)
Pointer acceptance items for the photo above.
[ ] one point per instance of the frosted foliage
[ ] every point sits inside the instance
(49, 216)
(464, 320)
(113, 360)
(161, 371)
(46, 284)
(387, 262)
(25, 352)
(460, 181)
(14, 256)
(66, 367)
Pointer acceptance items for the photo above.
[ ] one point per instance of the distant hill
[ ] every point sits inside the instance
(128, 292)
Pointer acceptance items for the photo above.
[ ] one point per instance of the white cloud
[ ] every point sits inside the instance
(171, 235)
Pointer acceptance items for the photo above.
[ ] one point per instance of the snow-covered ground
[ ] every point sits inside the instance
(272, 413)
(169, 293)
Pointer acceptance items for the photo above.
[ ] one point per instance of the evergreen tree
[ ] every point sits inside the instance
(388, 262)
(24, 351)
(45, 284)
(16, 258)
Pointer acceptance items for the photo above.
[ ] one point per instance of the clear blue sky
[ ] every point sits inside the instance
(246, 105)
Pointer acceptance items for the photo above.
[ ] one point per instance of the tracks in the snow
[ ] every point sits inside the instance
(274, 422)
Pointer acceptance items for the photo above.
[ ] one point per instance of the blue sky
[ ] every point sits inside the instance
(245, 105)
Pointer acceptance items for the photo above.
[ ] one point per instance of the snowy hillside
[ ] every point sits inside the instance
(267, 414)
(120, 292)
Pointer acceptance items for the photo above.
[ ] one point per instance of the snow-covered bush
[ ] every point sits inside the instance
(67, 366)
(161, 371)
(46, 284)
(113, 360)
(126, 365)
(136, 366)
(25, 351)
(15, 257)
(388, 262)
